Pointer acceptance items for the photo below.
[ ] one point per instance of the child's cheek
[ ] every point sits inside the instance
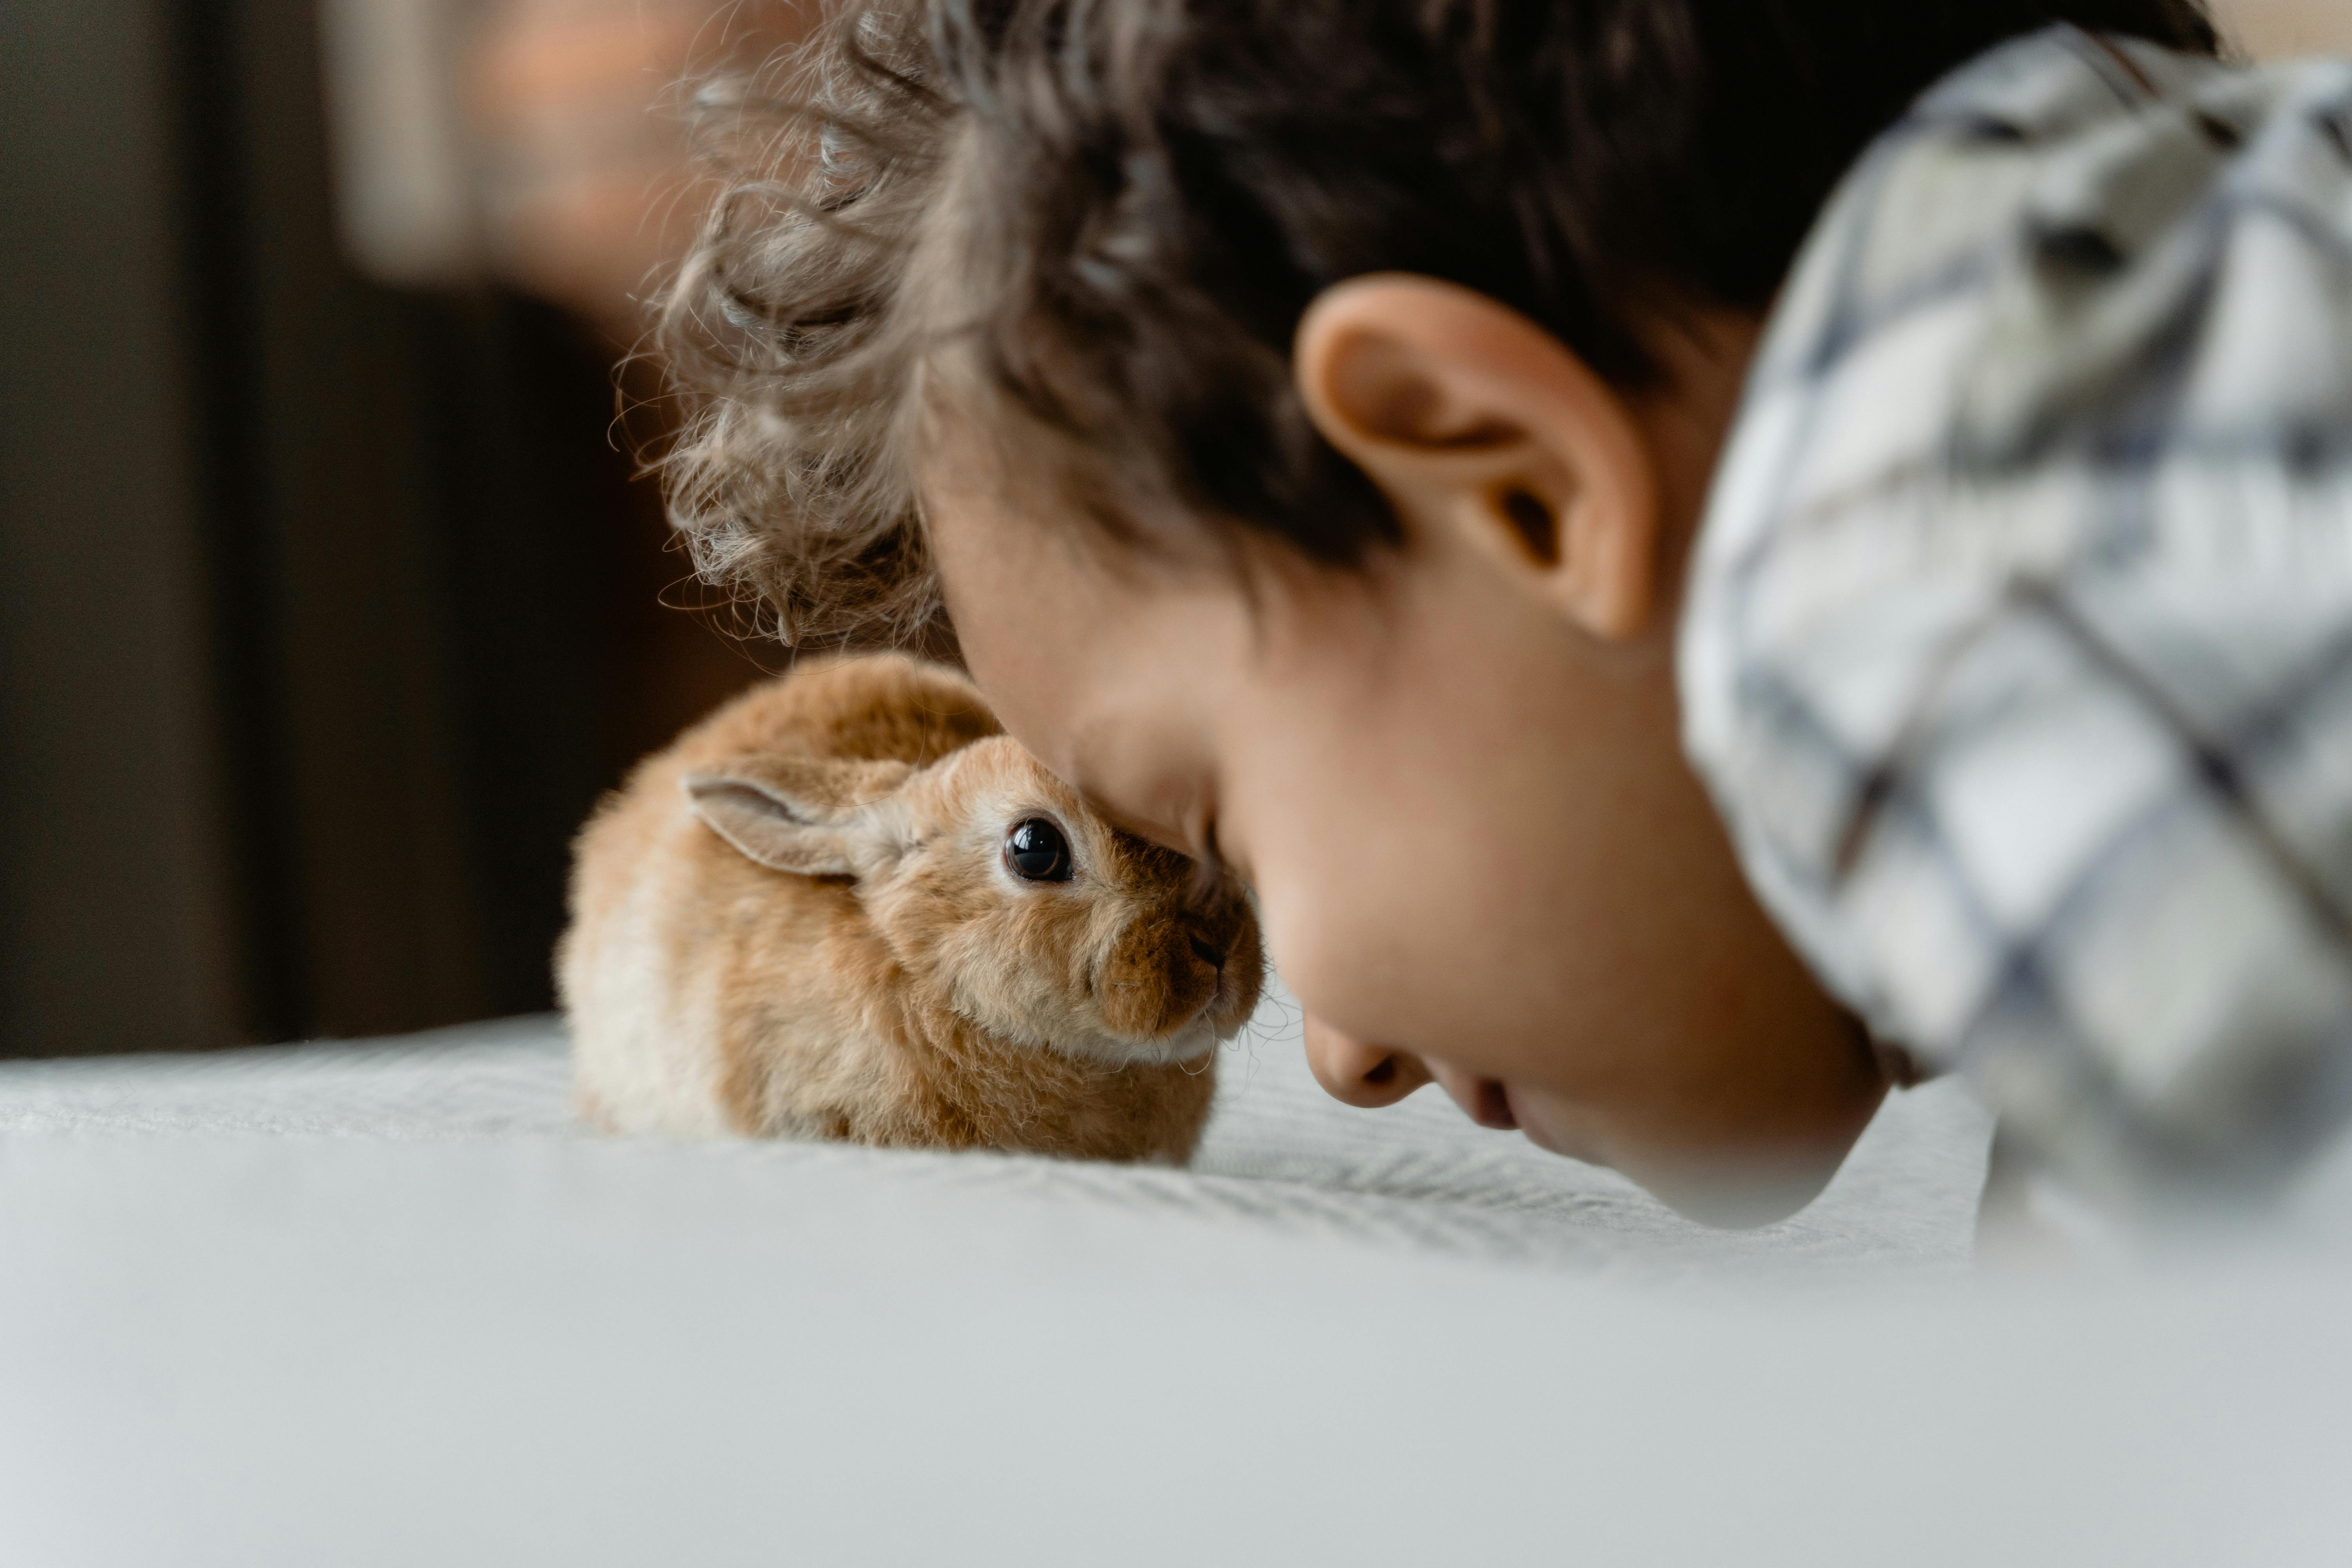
(1330, 960)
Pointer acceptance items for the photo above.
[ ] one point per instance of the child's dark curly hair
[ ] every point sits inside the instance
(1116, 211)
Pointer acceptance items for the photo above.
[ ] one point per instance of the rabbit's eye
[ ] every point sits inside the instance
(1037, 852)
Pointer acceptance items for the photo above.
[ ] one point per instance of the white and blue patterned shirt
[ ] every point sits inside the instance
(2017, 653)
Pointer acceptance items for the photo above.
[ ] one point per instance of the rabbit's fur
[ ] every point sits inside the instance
(799, 920)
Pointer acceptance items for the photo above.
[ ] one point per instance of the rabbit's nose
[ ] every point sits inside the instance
(1208, 952)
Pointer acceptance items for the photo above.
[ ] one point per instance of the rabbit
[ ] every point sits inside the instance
(846, 906)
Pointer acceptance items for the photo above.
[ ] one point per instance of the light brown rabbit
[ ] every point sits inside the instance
(844, 906)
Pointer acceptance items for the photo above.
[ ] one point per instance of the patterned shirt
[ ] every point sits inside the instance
(2017, 654)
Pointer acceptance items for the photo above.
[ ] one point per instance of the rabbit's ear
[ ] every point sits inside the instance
(816, 816)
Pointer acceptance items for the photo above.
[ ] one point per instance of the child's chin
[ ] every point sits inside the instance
(1553, 1141)
(1727, 1191)
(1547, 1130)
(1732, 1197)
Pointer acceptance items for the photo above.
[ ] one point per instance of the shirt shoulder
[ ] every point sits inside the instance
(2018, 650)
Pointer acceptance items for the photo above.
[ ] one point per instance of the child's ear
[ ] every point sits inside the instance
(813, 815)
(1471, 417)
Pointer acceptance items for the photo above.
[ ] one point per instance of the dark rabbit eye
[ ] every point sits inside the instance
(1037, 852)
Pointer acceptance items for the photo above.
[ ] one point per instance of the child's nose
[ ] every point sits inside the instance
(1358, 1074)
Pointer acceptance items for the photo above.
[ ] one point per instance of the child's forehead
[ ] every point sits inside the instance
(1098, 516)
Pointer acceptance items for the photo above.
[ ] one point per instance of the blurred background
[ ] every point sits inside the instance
(330, 593)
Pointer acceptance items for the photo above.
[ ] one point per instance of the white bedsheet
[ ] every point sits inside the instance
(1279, 1153)
(385, 1303)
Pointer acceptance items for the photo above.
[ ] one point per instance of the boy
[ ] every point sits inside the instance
(1311, 420)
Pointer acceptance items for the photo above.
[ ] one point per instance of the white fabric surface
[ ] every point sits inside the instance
(1279, 1153)
(384, 1304)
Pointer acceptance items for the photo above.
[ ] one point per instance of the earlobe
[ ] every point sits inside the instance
(1478, 424)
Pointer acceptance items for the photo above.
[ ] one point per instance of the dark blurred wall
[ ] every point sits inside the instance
(325, 611)
(114, 865)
